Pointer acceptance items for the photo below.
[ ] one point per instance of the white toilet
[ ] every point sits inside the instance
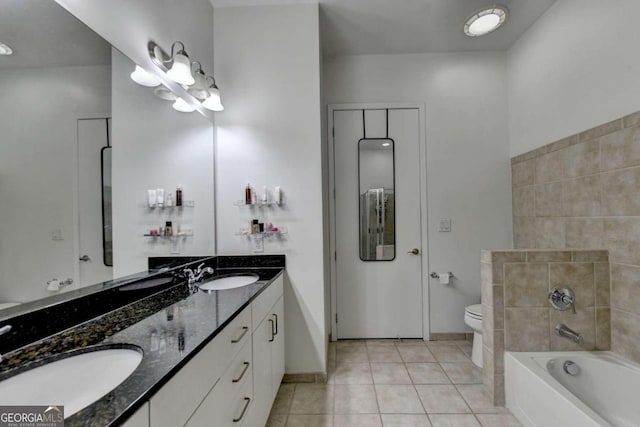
(473, 319)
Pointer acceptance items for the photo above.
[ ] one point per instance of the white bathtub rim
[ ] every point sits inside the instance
(535, 364)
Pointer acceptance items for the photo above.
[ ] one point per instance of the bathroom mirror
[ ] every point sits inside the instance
(107, 219)
(376, 175)
(81, 144)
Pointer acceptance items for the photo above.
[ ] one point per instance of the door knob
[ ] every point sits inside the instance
(414, 251)
(85, 258)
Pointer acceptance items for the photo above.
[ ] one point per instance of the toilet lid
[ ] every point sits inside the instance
(474, 311)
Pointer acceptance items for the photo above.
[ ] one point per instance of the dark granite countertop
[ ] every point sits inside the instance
(181, 324)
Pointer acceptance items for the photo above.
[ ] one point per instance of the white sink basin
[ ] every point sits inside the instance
(75, 381)
(229, 282)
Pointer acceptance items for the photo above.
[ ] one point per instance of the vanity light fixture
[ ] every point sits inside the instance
(213, 102)
(164, 93)
(144, 78)
(178, 68)
(5, 50)
(485, 20)
(180, 71)
(199, 89)
(182, 106)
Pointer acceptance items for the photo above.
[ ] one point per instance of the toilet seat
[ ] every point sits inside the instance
(474, 311)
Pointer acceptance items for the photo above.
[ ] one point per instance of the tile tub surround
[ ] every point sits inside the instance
(584, 192)
(518, 317)
(392, 383)
(186, 322)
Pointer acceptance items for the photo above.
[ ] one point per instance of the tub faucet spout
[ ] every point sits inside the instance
(566, 332)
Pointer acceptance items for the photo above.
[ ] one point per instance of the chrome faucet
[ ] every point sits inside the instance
(563, 299)
(194, 277)
(566, 332)
(4, 330)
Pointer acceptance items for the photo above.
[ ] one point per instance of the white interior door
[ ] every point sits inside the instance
(378, 298)
(92, 137)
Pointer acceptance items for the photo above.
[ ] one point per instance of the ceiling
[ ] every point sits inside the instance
(43, 34)
(352, 27)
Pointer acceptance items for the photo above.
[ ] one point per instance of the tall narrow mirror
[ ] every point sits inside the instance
(376, 175)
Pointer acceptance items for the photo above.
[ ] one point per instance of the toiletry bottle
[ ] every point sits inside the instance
(265, 195)
(160, 197)
(178, 196)
(168, 229)
(255, 228)
(169, 201)
(247, 195)
(254, 196)
(278, 196)
(151, 194)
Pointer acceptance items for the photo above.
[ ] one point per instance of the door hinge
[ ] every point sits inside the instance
(336, 317)
(333, 132)
(335, 255)
(334, 194)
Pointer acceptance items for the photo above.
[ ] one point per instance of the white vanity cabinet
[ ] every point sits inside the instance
(175, 403)
(233, 380)
(268, 352)
(140, 418)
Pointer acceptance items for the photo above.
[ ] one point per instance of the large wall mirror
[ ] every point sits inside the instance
(81, 144)
(376, 172)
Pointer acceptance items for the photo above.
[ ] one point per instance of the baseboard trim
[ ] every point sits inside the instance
(308, 378)
(451, 336)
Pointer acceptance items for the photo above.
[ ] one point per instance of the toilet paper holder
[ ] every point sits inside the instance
(437, 276)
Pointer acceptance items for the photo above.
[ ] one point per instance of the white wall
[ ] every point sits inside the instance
(267, 61)
(155, 146)
(468, 171)
(577, 67)
(39, 109)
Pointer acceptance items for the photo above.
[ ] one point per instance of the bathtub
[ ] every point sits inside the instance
(604, 392)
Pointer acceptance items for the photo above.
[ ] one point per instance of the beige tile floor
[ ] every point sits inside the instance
(392, 383)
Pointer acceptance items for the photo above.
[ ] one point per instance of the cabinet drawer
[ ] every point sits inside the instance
(261, 305)
(174, 403)
(228, 403)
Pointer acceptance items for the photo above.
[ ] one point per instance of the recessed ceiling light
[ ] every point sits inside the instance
(485, 21)
(386, 144)
(5, 50)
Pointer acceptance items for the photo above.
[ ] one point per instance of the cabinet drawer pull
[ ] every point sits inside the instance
(247, 400)
(245, 329)
(272, 335)
(276, 316)
(244, 371)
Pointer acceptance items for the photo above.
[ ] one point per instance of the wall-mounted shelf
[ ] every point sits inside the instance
(185, 204)
(158, 236)
(241, 203)
(263, 234)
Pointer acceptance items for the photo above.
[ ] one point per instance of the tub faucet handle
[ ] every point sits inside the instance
(562, 299)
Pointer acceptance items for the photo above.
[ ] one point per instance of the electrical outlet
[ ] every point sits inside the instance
(445, 225)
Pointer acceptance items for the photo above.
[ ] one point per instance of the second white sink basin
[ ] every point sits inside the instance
(229, 282)
(74, 381)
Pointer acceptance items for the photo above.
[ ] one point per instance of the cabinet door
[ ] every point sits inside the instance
(262, 381)
(277, 347)
(140, 418)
